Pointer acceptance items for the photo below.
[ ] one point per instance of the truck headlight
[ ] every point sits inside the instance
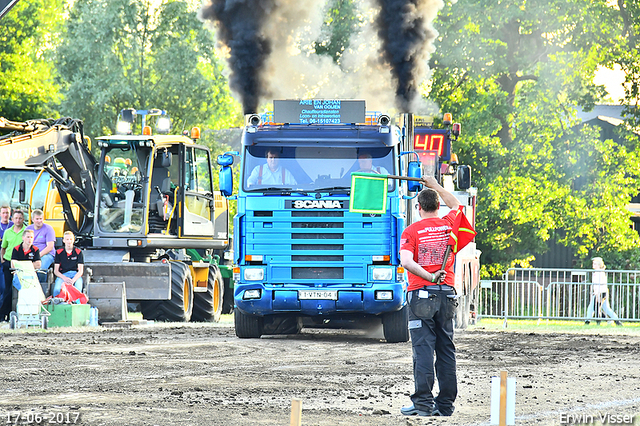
(382, 274)
(251, 294)
(254, 274)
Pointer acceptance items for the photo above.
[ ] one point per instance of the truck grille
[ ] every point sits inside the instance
(316, 258)
(323, 225)
(317, 247)
(314, 236)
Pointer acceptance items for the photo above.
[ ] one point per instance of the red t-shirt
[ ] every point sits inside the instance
(427, 240)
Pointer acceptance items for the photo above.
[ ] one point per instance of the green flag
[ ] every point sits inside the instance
(368, 193)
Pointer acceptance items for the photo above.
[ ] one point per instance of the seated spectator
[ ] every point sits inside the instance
(25, 251)
(68, 265)
(44, 238)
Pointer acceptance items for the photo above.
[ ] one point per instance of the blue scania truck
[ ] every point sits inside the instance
(302, 257)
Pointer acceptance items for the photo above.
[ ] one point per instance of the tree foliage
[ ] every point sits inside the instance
(512, 71)
(341, 22)
(28, 35)
(120, 54)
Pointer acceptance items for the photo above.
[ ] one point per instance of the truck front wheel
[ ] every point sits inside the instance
(395, 325)
(247, 326)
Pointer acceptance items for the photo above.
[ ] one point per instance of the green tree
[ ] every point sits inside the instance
(341, 22)
(512, 72)
(128, 54)
(28, 34)
(627, 55)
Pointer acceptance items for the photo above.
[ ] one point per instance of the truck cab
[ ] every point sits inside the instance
(303, 257)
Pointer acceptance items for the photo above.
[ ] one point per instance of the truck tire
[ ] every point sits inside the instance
(207, 306)
(395, 325)
(282, 325)
(248, 326)
(180, 307)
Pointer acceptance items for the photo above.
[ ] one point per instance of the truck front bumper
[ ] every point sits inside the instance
(372, 299)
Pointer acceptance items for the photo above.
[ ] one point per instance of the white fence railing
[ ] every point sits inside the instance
(527, 293)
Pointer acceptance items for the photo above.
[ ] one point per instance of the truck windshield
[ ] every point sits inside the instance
(121, 188)
(311, 168)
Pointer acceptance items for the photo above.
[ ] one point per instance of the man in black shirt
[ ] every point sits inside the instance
(68, 265)
(25, 251)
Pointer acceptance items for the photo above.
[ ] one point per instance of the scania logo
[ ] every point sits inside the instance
(317, 204)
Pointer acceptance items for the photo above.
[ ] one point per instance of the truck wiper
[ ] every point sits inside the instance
(270, 188)
(334, 188)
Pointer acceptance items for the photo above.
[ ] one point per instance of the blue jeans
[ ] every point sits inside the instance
(46, 261)
(57, 286)
(431, 328)
(604, 303)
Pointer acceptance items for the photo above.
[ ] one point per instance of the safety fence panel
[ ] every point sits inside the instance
(529, 293)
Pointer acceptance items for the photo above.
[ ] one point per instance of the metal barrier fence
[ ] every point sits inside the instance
(527, 293)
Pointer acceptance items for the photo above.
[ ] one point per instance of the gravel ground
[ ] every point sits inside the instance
(201, 374)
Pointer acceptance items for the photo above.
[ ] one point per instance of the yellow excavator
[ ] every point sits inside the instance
(145, 210)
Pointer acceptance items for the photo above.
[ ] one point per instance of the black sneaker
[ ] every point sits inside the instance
(587, 322)
(618, 323)
(413, 411)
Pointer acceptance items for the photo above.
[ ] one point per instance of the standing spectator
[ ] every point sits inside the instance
(5, 223)
(600, 292)
(25, 251)
(11, 238)
(44, 238)
(68, 266)
(432, 303)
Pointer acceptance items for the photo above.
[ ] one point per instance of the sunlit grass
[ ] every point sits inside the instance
(556, 326)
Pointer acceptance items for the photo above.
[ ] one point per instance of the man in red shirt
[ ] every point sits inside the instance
(432, 302)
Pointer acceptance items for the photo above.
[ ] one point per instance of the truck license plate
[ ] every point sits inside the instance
(318, 294)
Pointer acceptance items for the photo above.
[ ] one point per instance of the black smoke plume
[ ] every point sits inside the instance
(406, 36)
(239, 25)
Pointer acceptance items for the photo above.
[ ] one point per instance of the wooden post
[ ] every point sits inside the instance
(296, 412)
(503, 398)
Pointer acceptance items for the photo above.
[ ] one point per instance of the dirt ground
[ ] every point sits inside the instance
(201, 374)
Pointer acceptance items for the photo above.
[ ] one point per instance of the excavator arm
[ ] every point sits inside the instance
(59, 147)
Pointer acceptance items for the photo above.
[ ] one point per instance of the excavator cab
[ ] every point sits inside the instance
(155, 188)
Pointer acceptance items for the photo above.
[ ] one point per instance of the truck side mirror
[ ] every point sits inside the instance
(463, 177)
(226, 180)
(22, 192)
(414, 171)
(225, 160)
